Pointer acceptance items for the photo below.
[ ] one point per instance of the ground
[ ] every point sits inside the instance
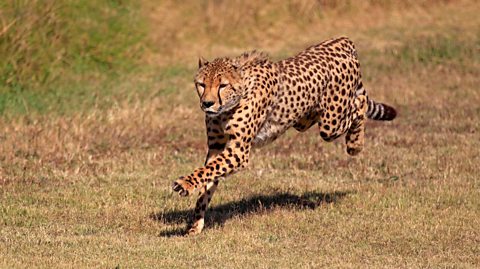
(90, 186)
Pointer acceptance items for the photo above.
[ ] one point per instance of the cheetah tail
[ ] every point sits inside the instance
(379, 111)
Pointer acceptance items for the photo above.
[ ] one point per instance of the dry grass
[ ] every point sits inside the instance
(92, 189)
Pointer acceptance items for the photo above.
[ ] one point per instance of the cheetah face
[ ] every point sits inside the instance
(218, 86)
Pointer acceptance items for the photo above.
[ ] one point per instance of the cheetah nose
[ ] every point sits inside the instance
(207, 104)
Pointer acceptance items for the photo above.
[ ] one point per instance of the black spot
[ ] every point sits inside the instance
(217, 146)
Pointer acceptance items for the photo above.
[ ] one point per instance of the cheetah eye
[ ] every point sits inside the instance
(221, 86)
(200, 88)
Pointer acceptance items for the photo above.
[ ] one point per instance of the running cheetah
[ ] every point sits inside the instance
(249, 101)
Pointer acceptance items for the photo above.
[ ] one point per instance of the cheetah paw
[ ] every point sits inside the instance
(195, 228)
(193, 231)
(352, 151)
(183, 186)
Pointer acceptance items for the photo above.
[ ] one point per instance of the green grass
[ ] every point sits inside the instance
(55, 50)
(438, 50)
(87, 161)
(136, 86)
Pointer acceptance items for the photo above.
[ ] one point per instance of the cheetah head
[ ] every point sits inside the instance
(218, 85)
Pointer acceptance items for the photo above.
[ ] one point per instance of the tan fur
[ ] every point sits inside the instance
(250, 101)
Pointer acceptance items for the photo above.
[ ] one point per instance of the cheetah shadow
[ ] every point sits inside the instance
(218, 215)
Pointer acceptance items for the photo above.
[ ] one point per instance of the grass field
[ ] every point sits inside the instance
(89, 151)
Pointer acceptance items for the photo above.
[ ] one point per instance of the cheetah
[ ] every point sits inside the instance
(249, 101)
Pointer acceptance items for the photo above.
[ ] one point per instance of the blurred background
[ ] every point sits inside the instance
(69, 55)
(98, 114)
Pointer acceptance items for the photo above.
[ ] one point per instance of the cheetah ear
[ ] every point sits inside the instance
(201, 62)
(236, 64)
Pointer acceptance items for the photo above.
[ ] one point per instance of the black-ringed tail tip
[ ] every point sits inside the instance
(379, 111)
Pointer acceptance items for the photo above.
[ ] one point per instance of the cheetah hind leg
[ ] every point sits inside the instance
(355, 137)
(206, 194)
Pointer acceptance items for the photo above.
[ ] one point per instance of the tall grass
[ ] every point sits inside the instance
(44, 42)
(437, 50)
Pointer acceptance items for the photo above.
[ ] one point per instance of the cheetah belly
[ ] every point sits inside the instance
(268, 132)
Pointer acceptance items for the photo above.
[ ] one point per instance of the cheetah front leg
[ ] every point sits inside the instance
(201, 207)
(216, 143)
(228, 151)
(232, 149)
(233, 157)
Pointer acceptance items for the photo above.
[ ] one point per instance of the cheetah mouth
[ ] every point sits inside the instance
(221, 109)
(211, 113)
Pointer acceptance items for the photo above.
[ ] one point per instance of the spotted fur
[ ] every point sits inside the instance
(249, 101)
